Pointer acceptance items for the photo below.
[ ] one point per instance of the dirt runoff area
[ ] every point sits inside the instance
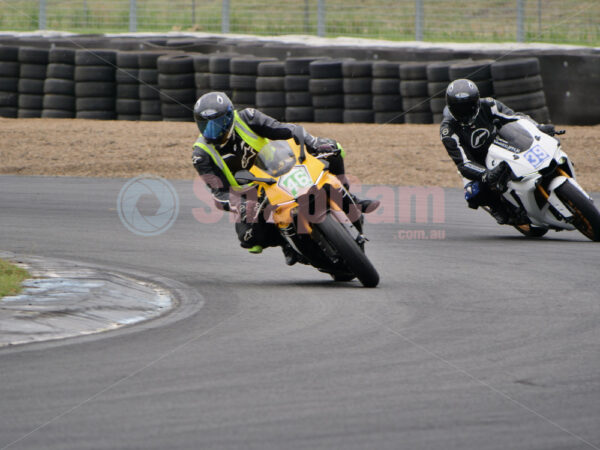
(408, 155)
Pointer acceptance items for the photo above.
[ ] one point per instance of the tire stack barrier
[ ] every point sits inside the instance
(298, 99)
(220, 72)
(326, 86)
(176, 80)
(95, 86)
(9, 81)
(387, 101)
(270, 90)
(244, 70)
(478, 72)
(413, 88)
(201, 74)
(32, 73)
(59, 86)
(358, 99)
(518, 84)
(148, 89)
(438, 78)
(128, 86)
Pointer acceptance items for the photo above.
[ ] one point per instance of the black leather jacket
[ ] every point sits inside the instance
(239, 155)
(468, 145)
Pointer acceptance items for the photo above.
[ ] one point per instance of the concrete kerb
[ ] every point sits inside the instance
(66, 299)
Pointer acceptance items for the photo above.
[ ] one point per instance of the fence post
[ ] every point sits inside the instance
(42, 15)
(225, 17)
(419, 19)
(321, 18)
(520, 20)
(132, 16)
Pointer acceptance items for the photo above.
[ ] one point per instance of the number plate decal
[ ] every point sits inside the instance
(295, 180)
(536, 156)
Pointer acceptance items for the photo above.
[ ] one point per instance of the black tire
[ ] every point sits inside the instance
(328, 101)
(333, 115)
(277, 113)
(413, 71)
(540, 115)
(128, 91)
(148, 76)
(57, 114)
(331, 68)
(11, 112)
(518, 86)
(299, 65)
(418, 117)
(220, 63)
(358, 101)
(151, 117)
(34, 71)
(358, 85)
(472, 70)
(126, 106)
(325, 86)
(219, 82)
(128, 60)
(61, 71)
(243, 82)
(150, 108)
(357, 69)
(389, 117)
(586, 215)
(95, 104)
(147, 60)
(299, 114)
(148, 92)
(96, 115)
(30, 86)
(416, 104)
(298, 99)
(247, 65)
(127, 76)
(437, 105)
(175, 96)
(29, 113)
(385, 86)
(95, 57)
(241, 98)
(202, 81)
(270, 83)
(130, 117)
(9, 99)
(30, 101)
(486, 88)
(9, 84)
(61, 55)
(176, 111)
(94, 73)
(523, 102)
(439, 71)
(296, 83)
(173, 64)
(531, 231)
(437, 89)
(271, 69)
(515, 68)
(33, 55)
(386, 69)
(266, 99)
(359, 116)
(348, 250)
(382, 103)
(414, 88)
(61, 102)
(95, 89)
(201, 63)
(9, 53)
(176, 81)
(10, 69)
(59, 86)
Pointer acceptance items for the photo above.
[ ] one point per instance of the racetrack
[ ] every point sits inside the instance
(480, 340)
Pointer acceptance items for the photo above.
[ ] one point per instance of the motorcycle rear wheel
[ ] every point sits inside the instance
(349, 251)
(586, 215)
(531, 231)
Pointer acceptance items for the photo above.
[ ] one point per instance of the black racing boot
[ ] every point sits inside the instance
(366, 205)
(291, 257)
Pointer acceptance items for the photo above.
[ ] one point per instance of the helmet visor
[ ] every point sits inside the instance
(465, 112)
(214, 129)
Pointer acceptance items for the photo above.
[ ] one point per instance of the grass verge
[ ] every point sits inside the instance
(11, 278)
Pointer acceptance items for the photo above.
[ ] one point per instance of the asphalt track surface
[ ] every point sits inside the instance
(480, 340)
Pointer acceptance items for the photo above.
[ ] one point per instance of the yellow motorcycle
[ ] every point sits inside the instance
(296, 191)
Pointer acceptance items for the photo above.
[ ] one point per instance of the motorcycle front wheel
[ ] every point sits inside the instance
(348, 250)
(586, 215)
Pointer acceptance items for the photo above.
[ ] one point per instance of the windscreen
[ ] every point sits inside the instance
(276, 158)
(516, 135)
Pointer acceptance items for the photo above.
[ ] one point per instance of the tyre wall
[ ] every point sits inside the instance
(159, 78)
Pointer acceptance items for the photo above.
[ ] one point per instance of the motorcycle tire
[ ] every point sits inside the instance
(349, 251)
(586, 215)
(531, 231)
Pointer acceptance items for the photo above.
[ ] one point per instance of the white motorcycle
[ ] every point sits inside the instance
(541, 186)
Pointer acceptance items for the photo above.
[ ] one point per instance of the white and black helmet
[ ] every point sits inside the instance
(462, 98)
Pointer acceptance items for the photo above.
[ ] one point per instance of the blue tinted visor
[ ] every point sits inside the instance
(214, 129)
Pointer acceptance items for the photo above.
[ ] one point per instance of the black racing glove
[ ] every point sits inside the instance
(547, 128)
(326, 145)
(497, 177)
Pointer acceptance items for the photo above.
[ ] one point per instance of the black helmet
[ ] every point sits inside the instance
(462, 98)
(213, 113)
